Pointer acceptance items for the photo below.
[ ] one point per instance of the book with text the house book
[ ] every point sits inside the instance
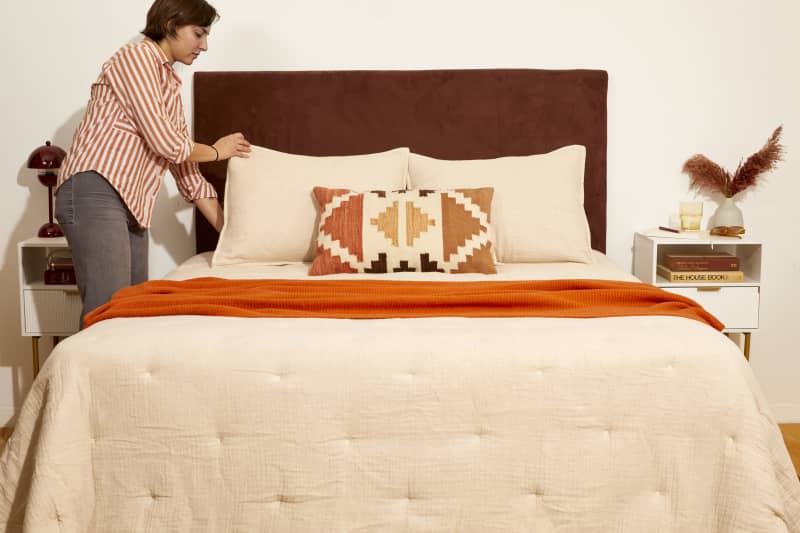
(700, 276)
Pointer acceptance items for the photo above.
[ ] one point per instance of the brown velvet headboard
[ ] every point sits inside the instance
(448, 114)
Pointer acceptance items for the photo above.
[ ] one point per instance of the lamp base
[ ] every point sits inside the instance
(50, 229)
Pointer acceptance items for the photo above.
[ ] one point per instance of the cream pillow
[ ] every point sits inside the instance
(537, 213)
(270, 214)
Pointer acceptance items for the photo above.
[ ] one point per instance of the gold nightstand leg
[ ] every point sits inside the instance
(747, 345)
(35, 345)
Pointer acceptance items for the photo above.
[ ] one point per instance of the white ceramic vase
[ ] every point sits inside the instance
(727, 214)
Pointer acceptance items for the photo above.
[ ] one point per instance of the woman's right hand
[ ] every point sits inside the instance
(233, 145)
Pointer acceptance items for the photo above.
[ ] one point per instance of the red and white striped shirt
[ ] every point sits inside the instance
(134, 129)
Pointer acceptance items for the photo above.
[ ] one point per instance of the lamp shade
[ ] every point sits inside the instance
(47, 157)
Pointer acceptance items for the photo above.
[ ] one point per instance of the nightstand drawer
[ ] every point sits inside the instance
(736, 307)
(51, 312)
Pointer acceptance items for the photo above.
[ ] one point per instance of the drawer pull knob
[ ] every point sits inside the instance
(708, 289)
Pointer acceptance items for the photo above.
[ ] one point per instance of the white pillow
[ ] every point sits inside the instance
(537, 213)
(270, 214)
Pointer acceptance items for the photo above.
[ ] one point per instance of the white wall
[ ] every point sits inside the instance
(714, 77)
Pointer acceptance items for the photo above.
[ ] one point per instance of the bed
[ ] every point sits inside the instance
(186, 422)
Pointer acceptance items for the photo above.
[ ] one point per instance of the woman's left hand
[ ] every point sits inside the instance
(233, 145)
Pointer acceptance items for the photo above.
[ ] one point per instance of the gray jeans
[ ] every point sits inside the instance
(109, 248)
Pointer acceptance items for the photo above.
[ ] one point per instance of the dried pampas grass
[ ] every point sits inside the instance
(707, 177)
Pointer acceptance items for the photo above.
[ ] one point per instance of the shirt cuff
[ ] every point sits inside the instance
(206, 190)
(184, 151)
(191, 183)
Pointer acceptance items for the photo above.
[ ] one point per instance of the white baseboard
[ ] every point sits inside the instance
(786, 413)
(6, 416)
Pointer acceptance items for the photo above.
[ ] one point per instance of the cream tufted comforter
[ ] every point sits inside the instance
(185, 423)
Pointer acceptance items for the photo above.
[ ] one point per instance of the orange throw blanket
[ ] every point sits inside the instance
(397, 299)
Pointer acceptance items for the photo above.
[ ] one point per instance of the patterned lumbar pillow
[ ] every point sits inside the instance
(404, 231)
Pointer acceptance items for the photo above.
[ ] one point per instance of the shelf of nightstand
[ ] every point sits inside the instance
(33, 260)
(649, 251)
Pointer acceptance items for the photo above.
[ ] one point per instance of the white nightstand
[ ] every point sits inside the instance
(44, 309)
(735, 304)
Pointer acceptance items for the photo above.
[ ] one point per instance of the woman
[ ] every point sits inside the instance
(133, 131)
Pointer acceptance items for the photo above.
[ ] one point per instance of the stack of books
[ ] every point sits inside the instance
(710, 267)
(60, 269)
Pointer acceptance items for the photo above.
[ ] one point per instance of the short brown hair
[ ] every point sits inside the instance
(165, 16)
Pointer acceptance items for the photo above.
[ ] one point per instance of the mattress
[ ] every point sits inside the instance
(196, 423)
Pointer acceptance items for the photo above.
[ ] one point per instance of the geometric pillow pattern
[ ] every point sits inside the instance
(404, 231)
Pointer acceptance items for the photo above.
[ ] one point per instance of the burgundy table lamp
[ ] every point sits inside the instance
(47, 160)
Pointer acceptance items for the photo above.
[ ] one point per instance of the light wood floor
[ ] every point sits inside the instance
(791, 434)
(4, 434)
